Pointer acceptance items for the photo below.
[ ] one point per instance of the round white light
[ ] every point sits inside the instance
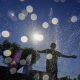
(49, 56)
(55, 21)
(22, 62)
(8, 60)
(29, 9)
(33, 17)
(45, 25)
(74, 19)
(7, 53)
(38, 37)
(24, 39)
(21, 16)
(13, 70)
(5, 34)
(45, 77)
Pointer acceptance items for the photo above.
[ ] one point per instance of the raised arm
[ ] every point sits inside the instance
(43, 51)
(68, 56)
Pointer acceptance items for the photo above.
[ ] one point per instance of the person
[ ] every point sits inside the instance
(51, 64)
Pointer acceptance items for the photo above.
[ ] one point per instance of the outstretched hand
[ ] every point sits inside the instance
(74, 56)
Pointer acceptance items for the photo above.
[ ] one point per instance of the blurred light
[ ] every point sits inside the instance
(7, 53)
(49, 56)
(33, 17)
(38, 37)
(13, 63)
(74, 19)
(24, 39)
(5, 34)
(45, 25)
(12, 14)
(45, 77)
(22, 62)
(21, 16)
(13, 70)
(55, 21)
(8, 60)
(29, 9)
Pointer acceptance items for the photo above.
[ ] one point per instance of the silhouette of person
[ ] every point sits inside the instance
(51, 64)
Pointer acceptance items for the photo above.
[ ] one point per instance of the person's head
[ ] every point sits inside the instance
(53, 45)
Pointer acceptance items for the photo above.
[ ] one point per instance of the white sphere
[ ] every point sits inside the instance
(29, 9)
(55, 21)
(45, 25)
(38, 37)
(22, 62)
(21, 16)
(49, 56)
(5, 34)
(8, 60)
(13, 70)
(33, 17)
(24, 39)
(74, 19)
(7, 53)
(45, 77)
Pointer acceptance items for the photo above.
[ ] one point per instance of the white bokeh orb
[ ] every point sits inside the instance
(45, 25)
(13, 70)
(29, 9)
(24, 39)
(33, 17)
(49, 56)
(55, 21)
(22, 62)
(7, 53)
(74, 19)
(5, 34)
(38, 37)
(45, 77)
(21, 16)
(8, 60)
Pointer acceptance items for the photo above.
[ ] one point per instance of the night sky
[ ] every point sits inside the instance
(66, 34)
